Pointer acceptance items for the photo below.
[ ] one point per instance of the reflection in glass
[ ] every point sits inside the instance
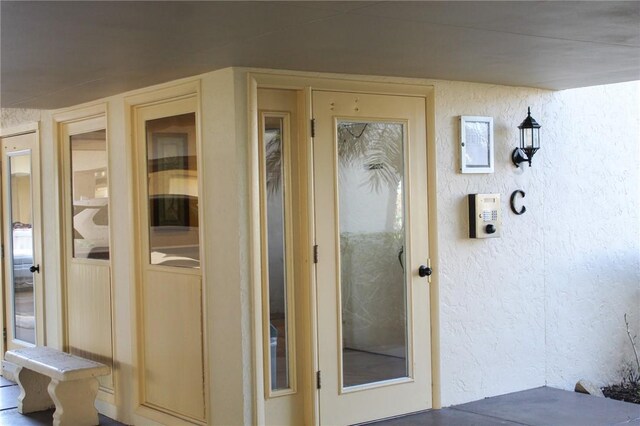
(22, 247)
(173, 191)
(274, 167)
(372, 251)
(477, 150)
(90, 193)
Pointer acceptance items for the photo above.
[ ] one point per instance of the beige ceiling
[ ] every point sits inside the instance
(56, 54)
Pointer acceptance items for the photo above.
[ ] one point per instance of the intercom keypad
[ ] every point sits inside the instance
(484, 215)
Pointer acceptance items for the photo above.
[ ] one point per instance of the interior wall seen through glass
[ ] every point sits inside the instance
(278, 319)
(173, 191)
(372, 251)
(90, 195)
(22, 258)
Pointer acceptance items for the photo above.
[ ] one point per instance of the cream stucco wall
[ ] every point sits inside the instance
(543, 304)
(592, 233)
(10, 117)
(226, 200)
(491, 303)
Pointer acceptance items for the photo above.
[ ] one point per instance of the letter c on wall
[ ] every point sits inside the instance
(513, 205)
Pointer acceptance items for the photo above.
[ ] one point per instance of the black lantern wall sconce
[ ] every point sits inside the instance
(529, 140)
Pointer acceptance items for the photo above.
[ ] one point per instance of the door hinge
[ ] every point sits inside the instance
(315, 254)
(318, 380)
(4, 333)
(2, 251)
(313, 127)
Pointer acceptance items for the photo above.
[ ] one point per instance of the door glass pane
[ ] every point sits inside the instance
(372, 251)
(22, 247)
(173, 191)
(90, 195)
(276, 251)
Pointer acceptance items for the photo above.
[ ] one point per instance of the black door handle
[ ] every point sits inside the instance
(424, 271)
(34, 269)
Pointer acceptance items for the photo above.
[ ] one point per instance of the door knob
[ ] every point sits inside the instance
(34, 269)
(424, 271)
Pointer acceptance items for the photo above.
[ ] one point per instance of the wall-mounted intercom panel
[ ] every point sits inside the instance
(485, 218)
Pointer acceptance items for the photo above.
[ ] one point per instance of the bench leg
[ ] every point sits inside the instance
(75, 402)
(33, 391)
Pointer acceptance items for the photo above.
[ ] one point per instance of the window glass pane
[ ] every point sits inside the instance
(90, 194)
(372, 251)
(173, 191)
(24, 320)
(274, 169)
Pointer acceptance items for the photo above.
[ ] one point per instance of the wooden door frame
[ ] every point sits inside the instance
(306, 83)
(62, 121)
(41, 338)
(163, 94)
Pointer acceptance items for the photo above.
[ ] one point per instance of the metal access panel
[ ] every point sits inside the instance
(485, 217)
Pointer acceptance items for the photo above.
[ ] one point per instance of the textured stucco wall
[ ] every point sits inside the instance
(544, 303)
(491, 303)
(227, 247)
(10, 117)
(592, 233)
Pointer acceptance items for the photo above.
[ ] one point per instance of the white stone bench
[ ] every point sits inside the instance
(48, 377)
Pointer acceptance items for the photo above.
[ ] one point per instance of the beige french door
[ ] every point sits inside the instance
(283, 254)
(370, 171)
(21, 229)
(170, 344)
(86, 258)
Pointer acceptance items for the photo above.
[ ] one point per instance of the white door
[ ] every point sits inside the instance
(21, 230)
(370, 174)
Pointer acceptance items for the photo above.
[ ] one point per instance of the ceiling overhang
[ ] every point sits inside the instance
(56, 54)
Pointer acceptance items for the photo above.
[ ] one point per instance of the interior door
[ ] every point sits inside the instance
(87, 250)
(370, 171)
(170, 346)
(22, 240)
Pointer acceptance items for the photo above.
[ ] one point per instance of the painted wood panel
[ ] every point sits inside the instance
(356, 383)
(172, 338)
(89, 314)
(87, 282)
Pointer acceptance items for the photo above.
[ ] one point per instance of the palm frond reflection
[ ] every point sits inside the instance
(375, 146)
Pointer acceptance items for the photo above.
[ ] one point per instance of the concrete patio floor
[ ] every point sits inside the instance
(9, 415)
(540, 406)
